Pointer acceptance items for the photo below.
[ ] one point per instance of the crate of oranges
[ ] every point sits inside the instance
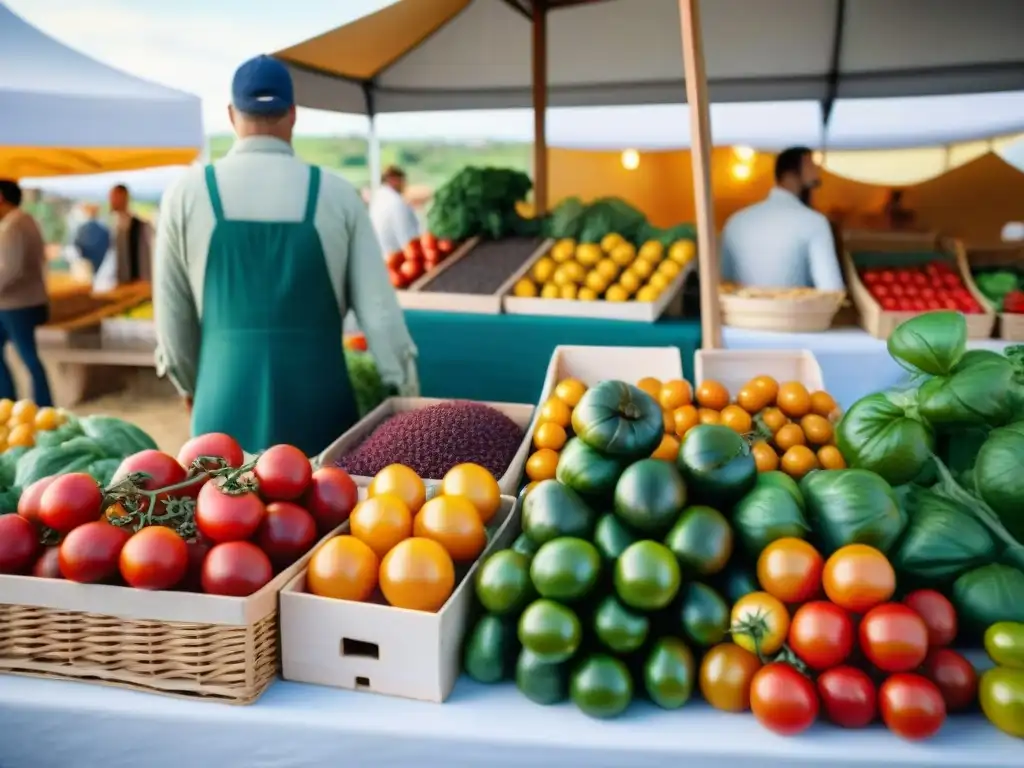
(383, 606)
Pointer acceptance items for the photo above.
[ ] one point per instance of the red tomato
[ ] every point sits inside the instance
(228, 515)
(413, 250)
(287, 532)
(783, 700)
(444, 247)
(397, 281)
(790, 569)
(90, 553)
(394, 259)
(428, 240)
(954, 676)
(70, 501)
(887, 276)
(154, 558)
(48, 564)
(330, 498)
(162, 470)
(821, 634)
(198, 549)
(938, 614)
(894, 638)
(28, 504)
(410, 270)
(212, 445)
(848, 696)
(19, 543)
(889, 304)
(912, 706)
(236, 569)
(870, 277)
(882, 291)
(283, 472)
(898, 291)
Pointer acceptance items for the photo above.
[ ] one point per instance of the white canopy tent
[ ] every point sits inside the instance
(65, 113)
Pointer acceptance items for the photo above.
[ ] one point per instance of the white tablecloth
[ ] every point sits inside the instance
(48, 724)
(854, 363)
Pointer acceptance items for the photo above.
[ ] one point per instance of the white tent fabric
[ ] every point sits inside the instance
(628, 53)
(54, 96)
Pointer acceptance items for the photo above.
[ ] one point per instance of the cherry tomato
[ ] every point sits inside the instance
(912, 706)
(163, 470)
(283, 472)
(223, 515)
(858, 577)
(213, 445)
(236, 569)
(19, 543)
(848, 696)
(28, 504)
(790, 569)
(821, 634)
(154, 558)
(725, 675)
(783, 700)
(938, 614)
(48, 564)
(70, 501)
(89, 554)
(894, 638)
(286, 533)
(759, 623)
(954, 676)
(330, 498)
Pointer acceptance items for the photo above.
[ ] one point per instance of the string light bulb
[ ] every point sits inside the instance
(630, 159)
(742, 171)
(744, 154)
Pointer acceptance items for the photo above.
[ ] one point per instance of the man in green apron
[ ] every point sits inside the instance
(258, 259)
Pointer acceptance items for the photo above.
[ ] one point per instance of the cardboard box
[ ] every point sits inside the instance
(376, 647)
(735, 367)
(594, 364)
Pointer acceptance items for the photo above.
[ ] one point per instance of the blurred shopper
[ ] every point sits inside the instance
(258, 258)
(782, 242)
(92, 237)
(24, 304)
(393, 218)
(896, 215)
(132, 239)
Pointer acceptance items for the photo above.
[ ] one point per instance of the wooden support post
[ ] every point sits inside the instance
(540, 106)
(700, 154)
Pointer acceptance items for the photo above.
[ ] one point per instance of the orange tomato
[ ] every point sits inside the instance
(454, 523)
(830, 458)
(650, 385)
(725, 675)
(817, 428)
(823, 404)
(798, 461)
(380, 522)
(768, 385)
(708, 416)
(555, 410)
(668, 449)
(570, 391)
(344, 568)
(737, 419)
(23, 435)
(788, 436)
(774, 419)
(858, 577)
(47, 419)
(675, 394)
(23, 412)
(7, 405)
(684, 419)
(473, 482)
(790, 569)
(418, 574)
(794, 400)
(752, 399)
(759, 622)
(668, 422)
(550, 435)
(400, 481)
(765, 456)
(542, 464)
(711, 394)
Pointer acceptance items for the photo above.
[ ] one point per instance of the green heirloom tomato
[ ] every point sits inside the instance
(701, 540)
(612, 537)
(767, 513)
(669, 673)
(988, 595)
(601, 686)
(703, 614)
(550, 630)
(587, 471)
(618, 420)
(565, 569)
(503, 582)
(649, 496)
(1001, 693)
(647, 576)
(552, 510)
(931, 343)
(1004, 643)
(542, 682)
(618, 628)
(882, 433)
(717, 465)
(490, 650)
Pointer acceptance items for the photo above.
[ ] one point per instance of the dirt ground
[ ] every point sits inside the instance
(160, 413)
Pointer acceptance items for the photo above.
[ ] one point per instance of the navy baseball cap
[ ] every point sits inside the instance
(262, 86)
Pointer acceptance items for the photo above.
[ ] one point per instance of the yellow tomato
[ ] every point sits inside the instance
(610, 241)
(608, 269)
(555, 410)
(642, 268)
(549, 291)
(669, 269)
(596, 282)
(23, 412)
(568, 292)
(6, 405)
(525, 288)
(629, 280)
(616, 293)
(542, 464)
(569, 391)
(47, 419)
(549, 435)
(587, 294)
(759, 623)
(623, 254)
(648, 294)
(682, 252)
(650, 385)
(652, 250)
(668, 449)
(561, 277)
(575, 271)
(543, 269)
(659, 281)
(675, 393)
(588, 256)
(22, 435)
(563, 250)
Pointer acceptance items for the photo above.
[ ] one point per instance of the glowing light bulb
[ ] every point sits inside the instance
(744, 154)
(630, 159)
(742, 171)
(818, 156)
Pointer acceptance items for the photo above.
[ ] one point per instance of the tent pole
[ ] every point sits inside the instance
(700, 157)
(373, 161)
(540, 106)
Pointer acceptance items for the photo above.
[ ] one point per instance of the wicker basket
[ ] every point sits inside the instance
(173, 643)
(807, 314)
(1009, 256)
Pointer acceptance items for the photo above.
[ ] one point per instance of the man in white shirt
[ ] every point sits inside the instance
(393, 218)
(782, 242)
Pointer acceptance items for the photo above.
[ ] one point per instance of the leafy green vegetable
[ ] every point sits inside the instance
(999, 476)
(989, 594)
(984, 388)
(9, 500)
(958, 450)
(480, 201)
(103, 470)
(9, 465)
(768, 513)
(852, 506)
(611, 214)
(567, 218)
(883, 433)
(367, 386)
(931, 343)
(667, 236)
(116, 437)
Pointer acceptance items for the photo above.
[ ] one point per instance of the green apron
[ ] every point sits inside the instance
(271, 362)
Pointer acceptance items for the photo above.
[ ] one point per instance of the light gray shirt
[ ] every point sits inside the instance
(393, 219)
(261, 180)
(780, 243)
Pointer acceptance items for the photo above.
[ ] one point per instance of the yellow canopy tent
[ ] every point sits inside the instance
(64, 113)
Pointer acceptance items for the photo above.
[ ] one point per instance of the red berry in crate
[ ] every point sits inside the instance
(70, 501)
(236, 569)
(28, 504)
(154, 558)
(91, 552)
(48, 564)
(224, 514)
(283, 472)
(287, 533)
(330, 498)
(214, 445)
(18, 544)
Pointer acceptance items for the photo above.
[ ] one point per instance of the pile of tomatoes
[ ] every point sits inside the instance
(202, 521)
(405, 545)
(935, 286)
(420, 255)
(824, 639)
